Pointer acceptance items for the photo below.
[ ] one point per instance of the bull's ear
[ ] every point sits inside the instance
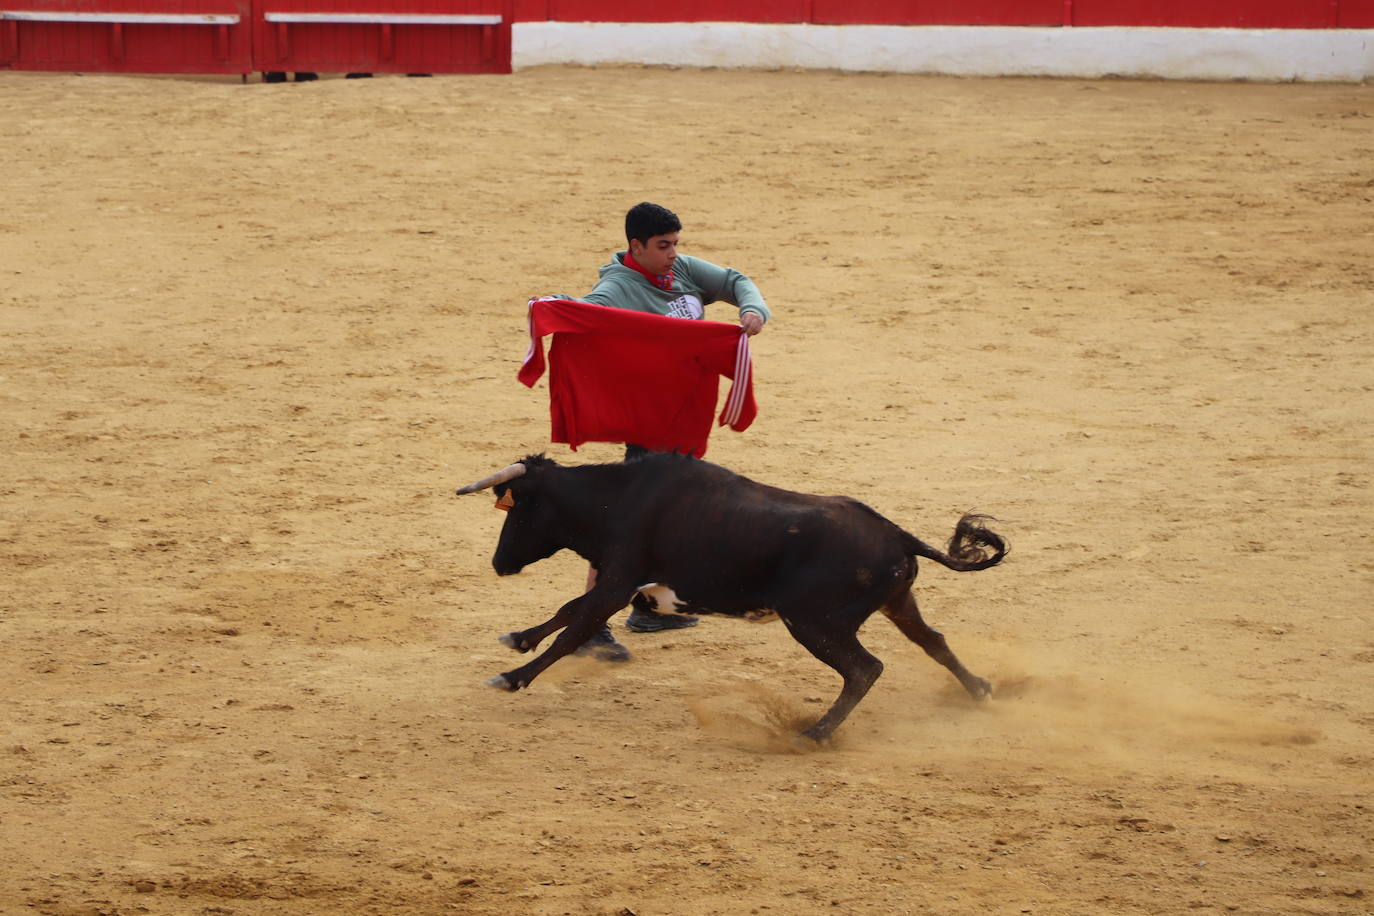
(506, 501)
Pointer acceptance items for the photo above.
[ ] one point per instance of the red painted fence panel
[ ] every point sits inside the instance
(127, 36)
(383, 36)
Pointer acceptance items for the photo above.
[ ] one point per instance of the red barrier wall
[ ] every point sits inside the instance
(1243, 14)
(937, 12)
(1355, 14)
(695, 11)
(1224, 14)
(474, 36)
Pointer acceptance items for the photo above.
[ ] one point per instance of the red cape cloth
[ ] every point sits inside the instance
(623, 376)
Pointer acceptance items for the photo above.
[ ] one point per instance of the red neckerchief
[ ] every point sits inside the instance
(662, 282)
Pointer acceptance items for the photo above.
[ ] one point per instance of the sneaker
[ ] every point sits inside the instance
(643, 620)
(604, 648)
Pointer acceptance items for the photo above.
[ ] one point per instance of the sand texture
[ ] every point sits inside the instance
(252, 337)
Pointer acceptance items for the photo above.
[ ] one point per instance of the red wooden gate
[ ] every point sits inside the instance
(241, 36)
(383, 36)
(126, 36)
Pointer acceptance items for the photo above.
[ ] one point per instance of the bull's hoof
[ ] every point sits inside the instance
(811, 740)
(510, 642)
(982, 689)
(500, 682)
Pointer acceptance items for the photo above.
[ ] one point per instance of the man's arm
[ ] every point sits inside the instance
(725, 284)
(606, 292)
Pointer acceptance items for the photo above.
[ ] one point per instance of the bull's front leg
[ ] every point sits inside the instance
(529, 640)
(579, 619)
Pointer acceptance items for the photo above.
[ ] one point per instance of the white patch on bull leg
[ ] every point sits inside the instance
(508, 641)
(662, 599)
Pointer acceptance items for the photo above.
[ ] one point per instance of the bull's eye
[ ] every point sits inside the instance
(506, 501)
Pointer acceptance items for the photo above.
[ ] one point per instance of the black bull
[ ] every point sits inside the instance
(725, 545)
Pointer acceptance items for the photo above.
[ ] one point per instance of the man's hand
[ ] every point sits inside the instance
(752, 322)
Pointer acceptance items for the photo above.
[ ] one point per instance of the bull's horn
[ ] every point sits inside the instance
(509, 472)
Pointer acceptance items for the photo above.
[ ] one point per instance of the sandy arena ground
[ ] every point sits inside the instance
(254, 335)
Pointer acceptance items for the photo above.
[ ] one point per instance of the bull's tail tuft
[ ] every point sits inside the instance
(974, 546)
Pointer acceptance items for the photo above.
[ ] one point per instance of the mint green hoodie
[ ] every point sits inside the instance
(696, 284)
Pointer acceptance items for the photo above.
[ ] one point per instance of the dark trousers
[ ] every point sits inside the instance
(633, 451)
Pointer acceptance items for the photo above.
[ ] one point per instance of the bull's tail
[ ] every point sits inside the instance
(972, 547)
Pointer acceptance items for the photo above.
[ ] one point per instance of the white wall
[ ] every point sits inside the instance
(1319, 55)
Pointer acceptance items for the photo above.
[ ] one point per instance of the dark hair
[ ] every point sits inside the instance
(646, 220)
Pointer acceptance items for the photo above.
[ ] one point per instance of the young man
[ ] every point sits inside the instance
(651, 276)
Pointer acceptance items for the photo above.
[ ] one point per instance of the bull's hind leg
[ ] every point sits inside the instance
(903, 612)
(841, 650)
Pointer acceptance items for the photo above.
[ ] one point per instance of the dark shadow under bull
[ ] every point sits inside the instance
(725, 545)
